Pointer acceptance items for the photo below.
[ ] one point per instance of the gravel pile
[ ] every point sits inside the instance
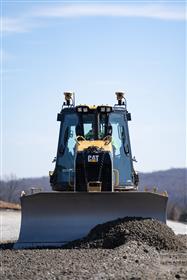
(118, 232)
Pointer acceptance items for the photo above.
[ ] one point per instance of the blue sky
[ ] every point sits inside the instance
(93, 48)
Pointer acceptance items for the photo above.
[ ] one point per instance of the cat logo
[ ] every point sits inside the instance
(93, 158)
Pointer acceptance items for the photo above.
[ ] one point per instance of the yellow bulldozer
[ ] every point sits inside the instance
(93, 182)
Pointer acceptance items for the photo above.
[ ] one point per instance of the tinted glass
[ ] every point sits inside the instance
(66, 151)
(121, 148)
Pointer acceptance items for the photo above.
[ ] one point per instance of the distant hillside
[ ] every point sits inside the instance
(174, 181)
(10, 190)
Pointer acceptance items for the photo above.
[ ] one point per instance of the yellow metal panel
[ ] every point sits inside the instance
(93, 107)
(82, 145)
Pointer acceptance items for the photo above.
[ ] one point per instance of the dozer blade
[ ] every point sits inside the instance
(54, 218)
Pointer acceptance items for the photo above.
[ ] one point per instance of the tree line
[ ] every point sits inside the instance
(174, 181)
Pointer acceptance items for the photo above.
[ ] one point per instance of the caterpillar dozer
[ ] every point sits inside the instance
(93, 181)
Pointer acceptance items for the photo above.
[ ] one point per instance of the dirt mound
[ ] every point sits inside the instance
(118, 232)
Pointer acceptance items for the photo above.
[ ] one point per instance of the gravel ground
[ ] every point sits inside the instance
(134, 260)
(140, 254)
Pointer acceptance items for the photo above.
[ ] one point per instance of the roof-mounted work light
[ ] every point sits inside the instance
(104, 109)
(120, 96)
(82, 109)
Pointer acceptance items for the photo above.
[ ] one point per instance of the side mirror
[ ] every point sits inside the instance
(129, 116)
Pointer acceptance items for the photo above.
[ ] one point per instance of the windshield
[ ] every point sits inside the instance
(94, 125)
(103, 124)
(89, 127)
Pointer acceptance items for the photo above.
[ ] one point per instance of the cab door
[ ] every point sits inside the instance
(122, 158)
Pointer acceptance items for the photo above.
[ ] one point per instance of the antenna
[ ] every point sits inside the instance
(69, 99)
(120, 97)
